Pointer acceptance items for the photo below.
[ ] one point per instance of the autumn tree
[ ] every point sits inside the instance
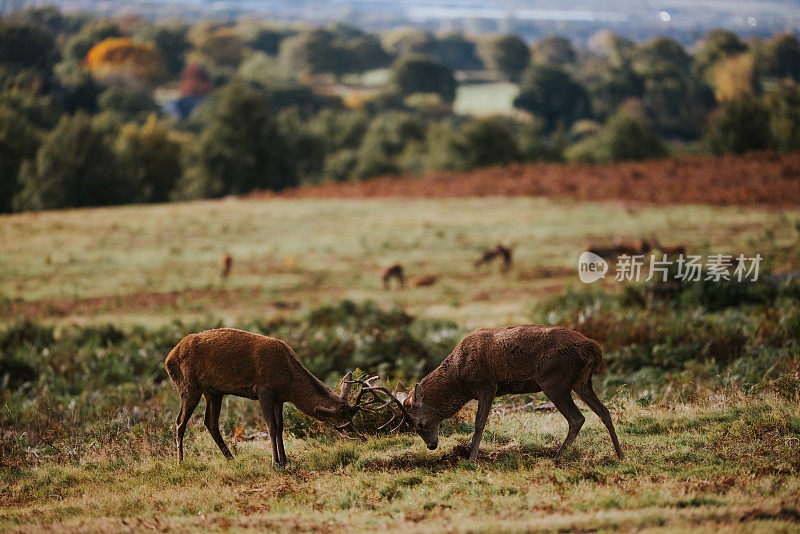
(120, 59)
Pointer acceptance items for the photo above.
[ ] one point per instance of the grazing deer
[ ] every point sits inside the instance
(677, 250)
(497, 251)
(490, 362)
(613, 252)
(393, 271)
(227, 263)
(225, 361)
(426, 280)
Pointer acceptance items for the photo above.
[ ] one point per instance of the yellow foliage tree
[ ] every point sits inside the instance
(120, 59)
(733, 78)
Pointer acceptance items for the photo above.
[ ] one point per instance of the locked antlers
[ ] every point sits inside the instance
(369, 400)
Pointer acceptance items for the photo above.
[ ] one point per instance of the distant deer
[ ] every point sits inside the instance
(613, 252)
(676, 250)
(426, 280)
(497, 251)
(394, 271)
(227, 263)
(225, 361)
(516, 359)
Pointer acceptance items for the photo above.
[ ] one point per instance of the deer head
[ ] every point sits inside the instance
(341, 413)
(422, 418)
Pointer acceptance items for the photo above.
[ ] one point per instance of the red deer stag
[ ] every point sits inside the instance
(676, 250)
(393, 271)
(613, 252)
(497, 251)
(426, 280)
(225, 361)
(227, 264)
(516, 359)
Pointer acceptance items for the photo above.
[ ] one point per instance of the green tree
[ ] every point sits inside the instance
(716, 46)
(74, 166)
(783, 107)
(129, 102)
(623, 137)
(739, 126)
(780, 58)
(457, 52)
(552, 95)
(170, 41)
(18, 142)
(241, 149)
(151, 159)
(27, 57)
(554, 50)
(313, 51)
(424, 74)
(77, 46)
(506, 54)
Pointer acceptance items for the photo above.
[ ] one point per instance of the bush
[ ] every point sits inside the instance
(623, 137)
(739, 126)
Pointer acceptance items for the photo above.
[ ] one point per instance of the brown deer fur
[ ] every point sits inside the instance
(227, 263)
(677, 250)
(498, 251)
(393, 271)
(426, 280)
(490, 362)
(225, 361)
(613, 252)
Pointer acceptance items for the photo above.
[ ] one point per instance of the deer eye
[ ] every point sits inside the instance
(420, 425)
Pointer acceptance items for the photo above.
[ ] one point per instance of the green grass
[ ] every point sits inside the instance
(485, 98)
(724, 461)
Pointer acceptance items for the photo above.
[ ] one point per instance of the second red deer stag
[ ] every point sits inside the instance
(227, 264)
(393, 272)
(225, 361)
(516, 359)
(613, 252)
(497, 251)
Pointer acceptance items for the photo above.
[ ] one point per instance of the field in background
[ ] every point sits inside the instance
(154, 264)
(767, 179)
(485, 99)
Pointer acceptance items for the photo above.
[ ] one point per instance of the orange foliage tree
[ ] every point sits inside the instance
(121, 60)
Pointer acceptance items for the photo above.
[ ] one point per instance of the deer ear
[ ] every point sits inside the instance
(322, 410)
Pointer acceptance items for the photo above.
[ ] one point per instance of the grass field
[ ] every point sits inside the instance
(157, 263)
(706, 400)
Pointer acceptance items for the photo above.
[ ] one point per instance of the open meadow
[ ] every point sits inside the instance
(702, 383)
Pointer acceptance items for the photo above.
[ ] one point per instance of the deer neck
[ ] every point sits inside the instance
(308, 392)
(442, 392)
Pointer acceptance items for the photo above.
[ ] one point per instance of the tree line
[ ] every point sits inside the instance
(82, 120)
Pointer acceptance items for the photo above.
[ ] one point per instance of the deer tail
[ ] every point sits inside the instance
(599, 364)
(173, 367)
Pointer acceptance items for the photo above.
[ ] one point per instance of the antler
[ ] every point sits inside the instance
(367, 388)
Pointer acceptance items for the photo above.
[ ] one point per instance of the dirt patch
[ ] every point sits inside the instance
(765, 178)
(145, 301)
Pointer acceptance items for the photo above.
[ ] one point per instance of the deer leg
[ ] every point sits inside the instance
(563, 401)
(485, 399)
(188, 404)
(267, 401)
(213, 406)
(279, 423)
(587, 395)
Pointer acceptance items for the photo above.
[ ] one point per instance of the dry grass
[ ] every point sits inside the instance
(725, 461)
